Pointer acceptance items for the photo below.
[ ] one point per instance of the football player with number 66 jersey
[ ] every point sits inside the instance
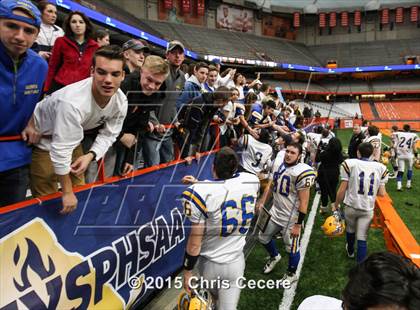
(290, 183)
(221, 212)
(362, 180)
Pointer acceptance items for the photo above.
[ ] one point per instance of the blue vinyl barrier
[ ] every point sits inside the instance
(107, 253)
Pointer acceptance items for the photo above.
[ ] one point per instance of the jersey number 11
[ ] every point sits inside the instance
(362, 183)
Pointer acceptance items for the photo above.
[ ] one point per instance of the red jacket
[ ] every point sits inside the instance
(66, 66)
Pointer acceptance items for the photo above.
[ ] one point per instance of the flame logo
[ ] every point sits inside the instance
(36, 272)
(34, 261)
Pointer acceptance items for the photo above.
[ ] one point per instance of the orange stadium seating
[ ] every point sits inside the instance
(392, 113)
(366, 111)
(402, 110)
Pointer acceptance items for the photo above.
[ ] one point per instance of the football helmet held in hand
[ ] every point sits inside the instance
(334, 225)
(198, 300)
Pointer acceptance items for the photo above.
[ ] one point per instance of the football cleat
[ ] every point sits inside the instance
(392, 175)
(334, 225)
(350, 255)
(291, 277)
(198, 300)
(271, 263)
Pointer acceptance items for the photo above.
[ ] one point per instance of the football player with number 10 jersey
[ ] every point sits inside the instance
(362, 180)
(290, 183)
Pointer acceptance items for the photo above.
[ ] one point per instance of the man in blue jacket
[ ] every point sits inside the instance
(194, 86)
(22, 75)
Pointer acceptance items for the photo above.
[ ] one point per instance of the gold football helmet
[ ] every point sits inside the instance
(198, 300)
(334, 226)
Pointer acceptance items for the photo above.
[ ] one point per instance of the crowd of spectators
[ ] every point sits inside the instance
(75, 99)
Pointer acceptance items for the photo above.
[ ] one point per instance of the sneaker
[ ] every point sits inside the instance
(272, 261)
(350, 255)
(291, 277)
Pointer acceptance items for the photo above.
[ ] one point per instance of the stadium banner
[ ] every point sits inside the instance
(122, 243)
(180, 12)
(231, 18)
(201, 7)
(279, 27)
(167, 4)
(186, 6)
(296, 19)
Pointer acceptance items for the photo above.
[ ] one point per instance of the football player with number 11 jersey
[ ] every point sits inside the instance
(362, 180)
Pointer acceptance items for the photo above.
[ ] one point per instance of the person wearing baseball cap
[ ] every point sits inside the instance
(22, 75)
(175, 44)
(24, 14)
(135, 51)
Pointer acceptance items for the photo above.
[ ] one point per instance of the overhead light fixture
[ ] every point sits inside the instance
(372, 5)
